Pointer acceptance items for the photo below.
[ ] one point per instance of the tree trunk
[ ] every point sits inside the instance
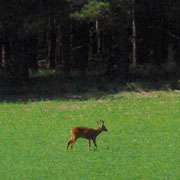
(21, 60)
(58, 57)
(98, 37)
(133, 40)
(18, 67)
(33, 60)
(6, 52)
(51, 44)
(1, 52)
(65, 41)
(84, 30)
(93, 40)
(108, 48)
(143, 25)
(177, 54)
(31, 46)
(161, 32)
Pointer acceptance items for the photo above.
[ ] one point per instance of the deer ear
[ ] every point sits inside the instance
(102, 121)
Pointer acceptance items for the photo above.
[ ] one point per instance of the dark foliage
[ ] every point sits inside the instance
(110, 38)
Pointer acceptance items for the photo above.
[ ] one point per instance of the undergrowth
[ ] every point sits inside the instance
(51, 84)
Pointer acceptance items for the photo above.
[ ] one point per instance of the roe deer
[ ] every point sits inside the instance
(87, 133)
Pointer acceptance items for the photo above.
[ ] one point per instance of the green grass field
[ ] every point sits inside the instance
(142, 142)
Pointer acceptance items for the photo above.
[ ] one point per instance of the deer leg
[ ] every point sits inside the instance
(73, 141)
(94, 141)
(89, 144)
(69, 142)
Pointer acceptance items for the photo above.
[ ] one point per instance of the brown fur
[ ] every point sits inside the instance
(87, 133)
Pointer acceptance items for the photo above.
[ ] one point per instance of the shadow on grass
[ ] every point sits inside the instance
(59, 87)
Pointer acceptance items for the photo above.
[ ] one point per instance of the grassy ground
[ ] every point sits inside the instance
(142, 141)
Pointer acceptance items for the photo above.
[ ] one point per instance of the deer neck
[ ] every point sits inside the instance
(99, 130)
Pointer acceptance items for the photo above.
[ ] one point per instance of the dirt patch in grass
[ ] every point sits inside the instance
(68, 106)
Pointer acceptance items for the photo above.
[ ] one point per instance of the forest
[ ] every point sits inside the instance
(117, 39)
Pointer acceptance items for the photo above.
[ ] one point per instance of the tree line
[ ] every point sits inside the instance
(109, 36)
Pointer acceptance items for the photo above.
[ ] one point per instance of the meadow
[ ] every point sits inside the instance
(142, 141)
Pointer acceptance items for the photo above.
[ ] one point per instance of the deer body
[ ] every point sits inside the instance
(87, 133)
